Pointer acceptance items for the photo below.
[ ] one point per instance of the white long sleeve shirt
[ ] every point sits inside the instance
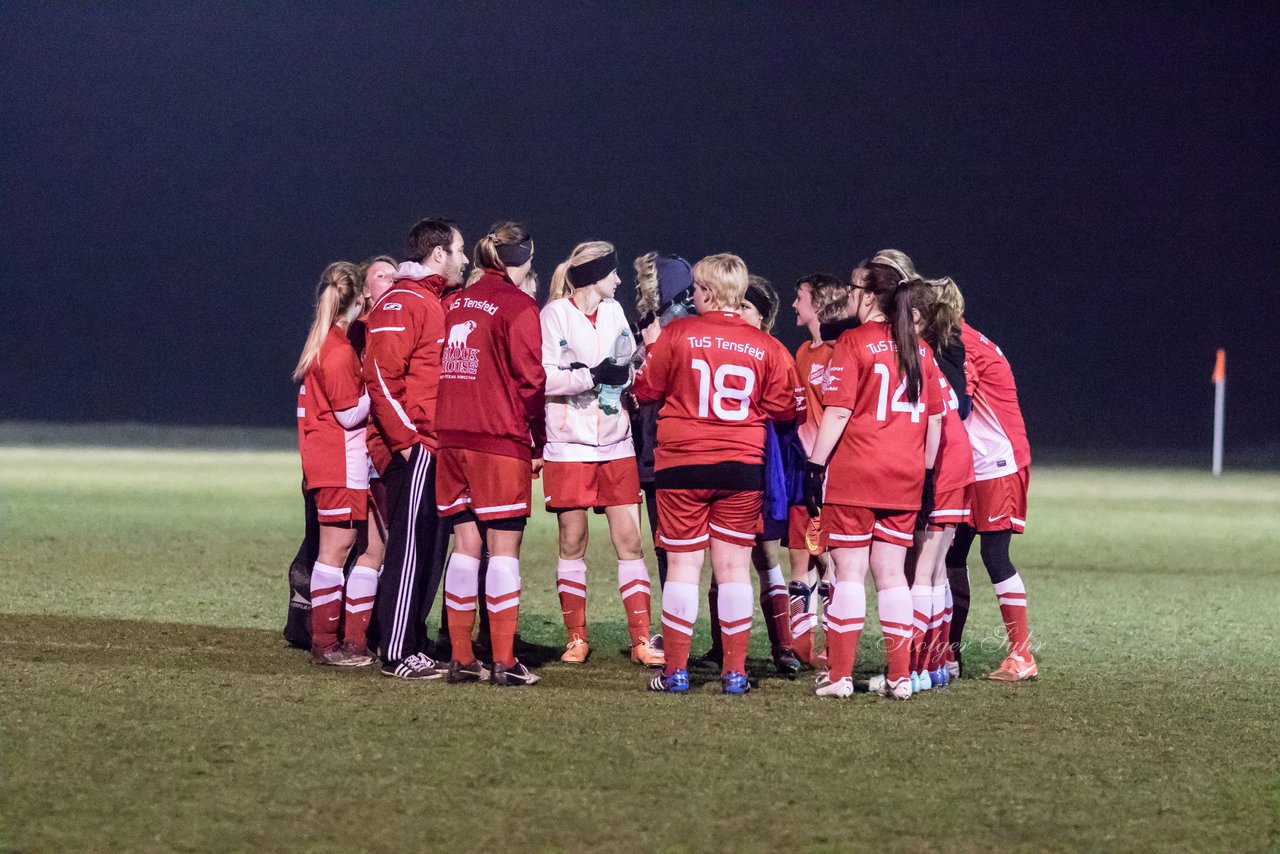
(577, 431)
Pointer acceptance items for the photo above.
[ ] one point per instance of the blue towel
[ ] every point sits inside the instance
(777, 495)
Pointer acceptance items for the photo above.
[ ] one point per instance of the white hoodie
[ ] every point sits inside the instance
(577, 431)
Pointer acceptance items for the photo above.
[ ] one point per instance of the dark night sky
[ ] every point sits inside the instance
(1099, 179)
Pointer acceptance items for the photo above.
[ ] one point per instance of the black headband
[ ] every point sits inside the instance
(515, 254)
(759, 300)
(590, 272)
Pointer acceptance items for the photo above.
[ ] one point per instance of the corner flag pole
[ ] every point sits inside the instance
(1219, 403)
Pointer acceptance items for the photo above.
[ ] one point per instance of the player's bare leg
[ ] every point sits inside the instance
(327, 583)
(571, 583)
(679, 613)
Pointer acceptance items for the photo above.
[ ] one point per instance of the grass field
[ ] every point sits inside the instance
(149, 702)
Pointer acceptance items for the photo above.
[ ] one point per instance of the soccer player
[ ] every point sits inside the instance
(402, 373)
(820, 299)
(719, 380)
(1002, 468)
(590, 461)
(332, 409)
(939, 325)
(782, 461)
(492, 419)
(880, 433)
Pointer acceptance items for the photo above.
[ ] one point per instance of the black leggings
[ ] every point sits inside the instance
(994, 548)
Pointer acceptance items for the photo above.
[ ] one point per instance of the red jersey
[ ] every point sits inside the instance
(492, 383)
(953, 468)
(879, 460)
(402, 361)
(996, 429)
(331, 454)
(379, 453)
(719, 379)
(811, 376)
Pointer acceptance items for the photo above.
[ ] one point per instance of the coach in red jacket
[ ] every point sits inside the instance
(402, 373)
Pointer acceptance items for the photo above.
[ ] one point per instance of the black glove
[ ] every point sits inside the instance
(573, 366)
(966, 406)
(814, 475)
(607, 373)
(926, 501)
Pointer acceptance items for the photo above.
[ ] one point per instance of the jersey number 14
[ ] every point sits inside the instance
(899, 403)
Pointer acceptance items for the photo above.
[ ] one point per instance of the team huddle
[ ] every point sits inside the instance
(428, 404)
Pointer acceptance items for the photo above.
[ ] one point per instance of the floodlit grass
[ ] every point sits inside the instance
(149, 702)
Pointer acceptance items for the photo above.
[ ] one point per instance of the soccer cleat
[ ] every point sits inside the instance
(1015, 668)
(359, 652)
(842, 687)
(459, 672)
(645, 653)
(511, 677)
(953, 668)
(875, 685)
(416, 666)
(785, 661)
(735, 682)
(939, 678)
(576, 651)
(895, 689)
(920, 682)
(676, 683)
(339, 657)
(823, 677)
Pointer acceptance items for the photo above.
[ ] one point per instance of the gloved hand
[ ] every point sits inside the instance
(607, 373)
(926, 501)
(814, 475)
(573, 366)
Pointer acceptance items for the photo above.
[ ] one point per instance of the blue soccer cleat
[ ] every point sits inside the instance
(734, 682)
(676, 683)
(940, 678)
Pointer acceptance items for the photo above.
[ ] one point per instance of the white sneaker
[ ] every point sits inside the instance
(823, 678)
(875, 685)
(895, 689)
(842, 687)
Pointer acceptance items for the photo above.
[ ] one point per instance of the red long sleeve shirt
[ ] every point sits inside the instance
(402, 362)
(492, 383)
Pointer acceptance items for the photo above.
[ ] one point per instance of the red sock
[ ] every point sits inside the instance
(502, 596)
(326, 606)
(461, 588)
(895, 621)
(734, 610)
(802, 621)
(1013, 608)
(921, 603)
(679, 612)
(633, 586)
(571, 584)
(361, 588)
(845, 617)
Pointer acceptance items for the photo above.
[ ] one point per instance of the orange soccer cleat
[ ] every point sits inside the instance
(576, 650)
(647, 654)
(1015, 668)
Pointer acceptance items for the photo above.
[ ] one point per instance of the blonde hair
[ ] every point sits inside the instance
(474, 276)
(503, 234)
(646, 267)
(530, 284)
(337, 296)
(581, 254)
(941, 311)
(725, 275)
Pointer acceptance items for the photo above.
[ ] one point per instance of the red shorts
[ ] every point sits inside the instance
(1001, 503)
(847, 527)
(950, 508)
(688, 518)
(578, 485)
(339, 504)
(797, 524)
(490, 485)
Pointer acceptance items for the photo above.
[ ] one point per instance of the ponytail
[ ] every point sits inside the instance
(892, 277)
(507, 244)
(560, 287)
(337, 297)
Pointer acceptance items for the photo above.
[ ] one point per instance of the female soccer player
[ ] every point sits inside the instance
(1002, 470)
(820, 300)
(879, 435)
(759, 308)
(332, 410)
(491, 416)
(939, 325)
(719, 380)
(590, 458)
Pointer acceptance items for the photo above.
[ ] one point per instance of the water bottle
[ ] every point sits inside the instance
(566, 355)
(611, 395)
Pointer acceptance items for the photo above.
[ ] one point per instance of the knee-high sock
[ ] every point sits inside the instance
(845, 618)
(774, 605)
(633, 586)
(934, 657)
(922, 612)
(803, 621)
(502, 596)
(895, 621)
(1013, 608)
(362, 586)
(461, 590)
(679, 613)
(326, 606)
(571, 584)
(735, 614)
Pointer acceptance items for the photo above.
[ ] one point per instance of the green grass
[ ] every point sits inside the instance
(150, 704)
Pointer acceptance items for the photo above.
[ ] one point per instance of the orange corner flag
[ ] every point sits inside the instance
(1220, 367)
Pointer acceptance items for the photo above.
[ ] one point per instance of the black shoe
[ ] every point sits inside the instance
(785, 661)
(515, 675)
(416, 666)
(712, 659)
(459, 672)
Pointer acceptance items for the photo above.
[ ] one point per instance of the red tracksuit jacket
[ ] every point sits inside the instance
(492, 384)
